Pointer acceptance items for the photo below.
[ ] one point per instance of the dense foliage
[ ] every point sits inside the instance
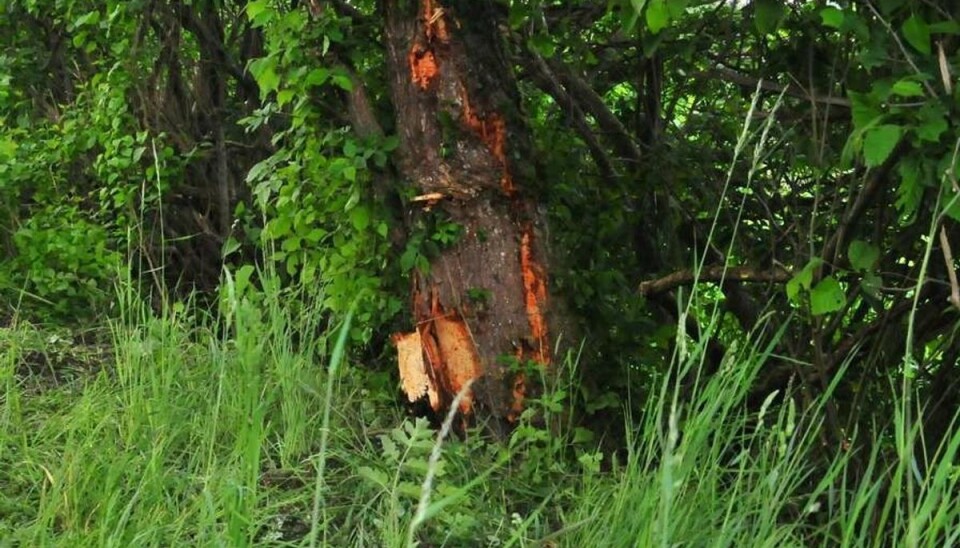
(710, 173)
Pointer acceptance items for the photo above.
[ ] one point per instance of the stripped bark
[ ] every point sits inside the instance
(463, 141)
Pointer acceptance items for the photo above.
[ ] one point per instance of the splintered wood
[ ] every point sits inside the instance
(413, 371)
(438, 360)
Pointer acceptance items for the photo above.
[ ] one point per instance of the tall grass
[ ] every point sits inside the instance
(207, 429)
(170, 441)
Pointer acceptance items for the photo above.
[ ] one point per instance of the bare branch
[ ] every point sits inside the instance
(591, 103)
(864, 198)
(546, 80)
(951, 270)
(715, 273)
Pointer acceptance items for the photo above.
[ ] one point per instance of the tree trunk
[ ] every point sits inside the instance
(465, 147)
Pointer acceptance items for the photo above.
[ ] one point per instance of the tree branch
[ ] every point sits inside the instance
(545, 80)
(715, 273)
(859, 205)
(591, 102)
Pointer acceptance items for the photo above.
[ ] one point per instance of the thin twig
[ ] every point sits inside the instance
(951, 269)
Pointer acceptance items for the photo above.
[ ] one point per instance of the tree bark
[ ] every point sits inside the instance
(466, 149)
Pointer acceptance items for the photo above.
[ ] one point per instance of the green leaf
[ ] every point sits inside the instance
(391, 143)
(408, 259)
(932, 122)
(256, 7)
(917, 33)
(343, 82)
(658, 15)
(827, 297)
(802, 280)
(316, 77)
(888, 6)
(360, 217)
(259, 12)
(863, 109)
(279, 227)
(676, 8)
(284, 97)
(390, 449)
(908, 88)
(8, 148)
(264, 71)
(952, 207)
(582, 435)
(520, 13)
(767, 15)
(376, 477)
(243, 278)
(350, 148)
(90, 18)
(231, 246)
(352, 201)
(863, 255)
(350, 173)
(879, 142)
(945, 27)
(315, 235)
(831, 17)
(542, 44)
(871, 284)
(910, 190)
(629, 22)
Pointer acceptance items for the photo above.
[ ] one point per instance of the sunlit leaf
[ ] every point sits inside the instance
(802, 279)
(908, 88)
(831, 17)
(658, 15)
(827, 296)
(879, 142)
(264, 71)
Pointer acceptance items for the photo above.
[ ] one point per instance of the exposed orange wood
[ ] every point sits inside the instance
(534, 294)
(423, 66)
(440, 357)
(492, 131)
(460, 357)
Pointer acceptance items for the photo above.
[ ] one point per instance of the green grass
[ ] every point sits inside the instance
(235, 429)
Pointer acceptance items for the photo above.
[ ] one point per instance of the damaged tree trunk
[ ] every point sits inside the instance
(482, 305)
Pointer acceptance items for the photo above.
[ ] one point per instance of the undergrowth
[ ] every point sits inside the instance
(200, 428)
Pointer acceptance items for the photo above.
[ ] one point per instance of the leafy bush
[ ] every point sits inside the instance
(62, 262)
